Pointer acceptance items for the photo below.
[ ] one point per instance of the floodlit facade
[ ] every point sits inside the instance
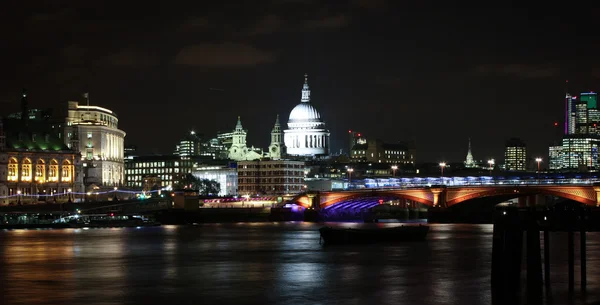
(35, 164)
(93, 131)
(238, 151)
(306, 134)
(515, 155)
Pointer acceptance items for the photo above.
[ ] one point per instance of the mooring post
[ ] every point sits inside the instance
(582, 242)
(547, 258)
(571, 258)
(534, 260)
(498, 258)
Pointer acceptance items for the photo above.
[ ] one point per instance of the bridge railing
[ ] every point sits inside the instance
(462, 181)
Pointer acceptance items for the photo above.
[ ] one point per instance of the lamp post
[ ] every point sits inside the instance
(115, 190)
(491, 163)
(538, 160)
(69, 195)
(394, 168)
(19, 197)
(350, 170)
(442, 165)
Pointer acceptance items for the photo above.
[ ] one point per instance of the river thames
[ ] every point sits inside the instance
(260, 263)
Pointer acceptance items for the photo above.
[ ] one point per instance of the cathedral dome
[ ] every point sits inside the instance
(304, 113)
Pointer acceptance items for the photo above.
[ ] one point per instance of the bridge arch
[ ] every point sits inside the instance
(423, 196)
(582, 194)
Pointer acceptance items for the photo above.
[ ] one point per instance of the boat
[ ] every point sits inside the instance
(362, 236)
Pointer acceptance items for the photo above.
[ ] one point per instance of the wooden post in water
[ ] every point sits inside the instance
(547, 259)
(582, 244)
(571, 259)
(534, 260)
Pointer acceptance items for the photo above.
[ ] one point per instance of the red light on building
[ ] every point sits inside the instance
(555, 123)
(359, 134)
(380, 201)
(112, 214)
(349, 131)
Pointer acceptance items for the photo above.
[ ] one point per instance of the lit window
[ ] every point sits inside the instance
(13, 170)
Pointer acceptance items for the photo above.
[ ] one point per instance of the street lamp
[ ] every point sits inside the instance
(69, 195)
(19, 197)
(394, 168)
(442, 165)
(116, 198)
(350, 170)
(538, 160)
(491, 163)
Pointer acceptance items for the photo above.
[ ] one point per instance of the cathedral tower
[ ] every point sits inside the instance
(277, 148)
(238, 144)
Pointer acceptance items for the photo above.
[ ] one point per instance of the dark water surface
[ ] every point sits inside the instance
(258, 263)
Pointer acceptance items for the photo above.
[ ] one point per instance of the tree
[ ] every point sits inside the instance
(209, 187)
(205, 187)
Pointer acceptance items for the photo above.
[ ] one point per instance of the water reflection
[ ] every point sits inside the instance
(267, 263)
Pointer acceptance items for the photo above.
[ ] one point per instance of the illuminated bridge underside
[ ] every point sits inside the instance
(445, 196)
(583, 194)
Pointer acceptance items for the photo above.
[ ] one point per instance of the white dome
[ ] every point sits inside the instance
(304, 113)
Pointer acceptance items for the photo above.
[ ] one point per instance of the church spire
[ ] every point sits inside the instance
(305, 90)
(469, 162)
(238, 126)
(277, 121)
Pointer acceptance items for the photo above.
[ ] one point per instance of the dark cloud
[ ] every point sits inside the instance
(328, 22)
(130, 58)
(522, 71)
(224, 55)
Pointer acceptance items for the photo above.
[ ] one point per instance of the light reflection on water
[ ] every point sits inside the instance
(259, 263)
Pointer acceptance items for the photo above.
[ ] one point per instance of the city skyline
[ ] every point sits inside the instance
(490, 82)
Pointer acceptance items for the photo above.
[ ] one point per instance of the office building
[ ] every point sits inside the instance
(377, 151)
(94, 132)
(270, 177)
(515, 155)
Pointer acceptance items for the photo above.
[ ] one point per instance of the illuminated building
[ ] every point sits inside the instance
(590, 99)
(238, 150)
(189, 145)
(35, 164)
(469, 162)
(376, 151)
(270, 177)
(555, 157)
(515, 155)
(570, 114)
(93, 131)
(355, 138)
(276, 149)
(580, 152)
(227, 177)
(214, 149)
(166, 169)
(306, 134)
(581, 118)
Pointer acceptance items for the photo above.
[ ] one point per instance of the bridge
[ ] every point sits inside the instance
(445, 196)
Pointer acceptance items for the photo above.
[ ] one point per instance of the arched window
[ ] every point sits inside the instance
(13, 169)
(53, 171)
(40, 171)
(66, 171)
(26, 170)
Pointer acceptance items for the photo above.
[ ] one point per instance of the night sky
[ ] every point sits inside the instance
(430, 74)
